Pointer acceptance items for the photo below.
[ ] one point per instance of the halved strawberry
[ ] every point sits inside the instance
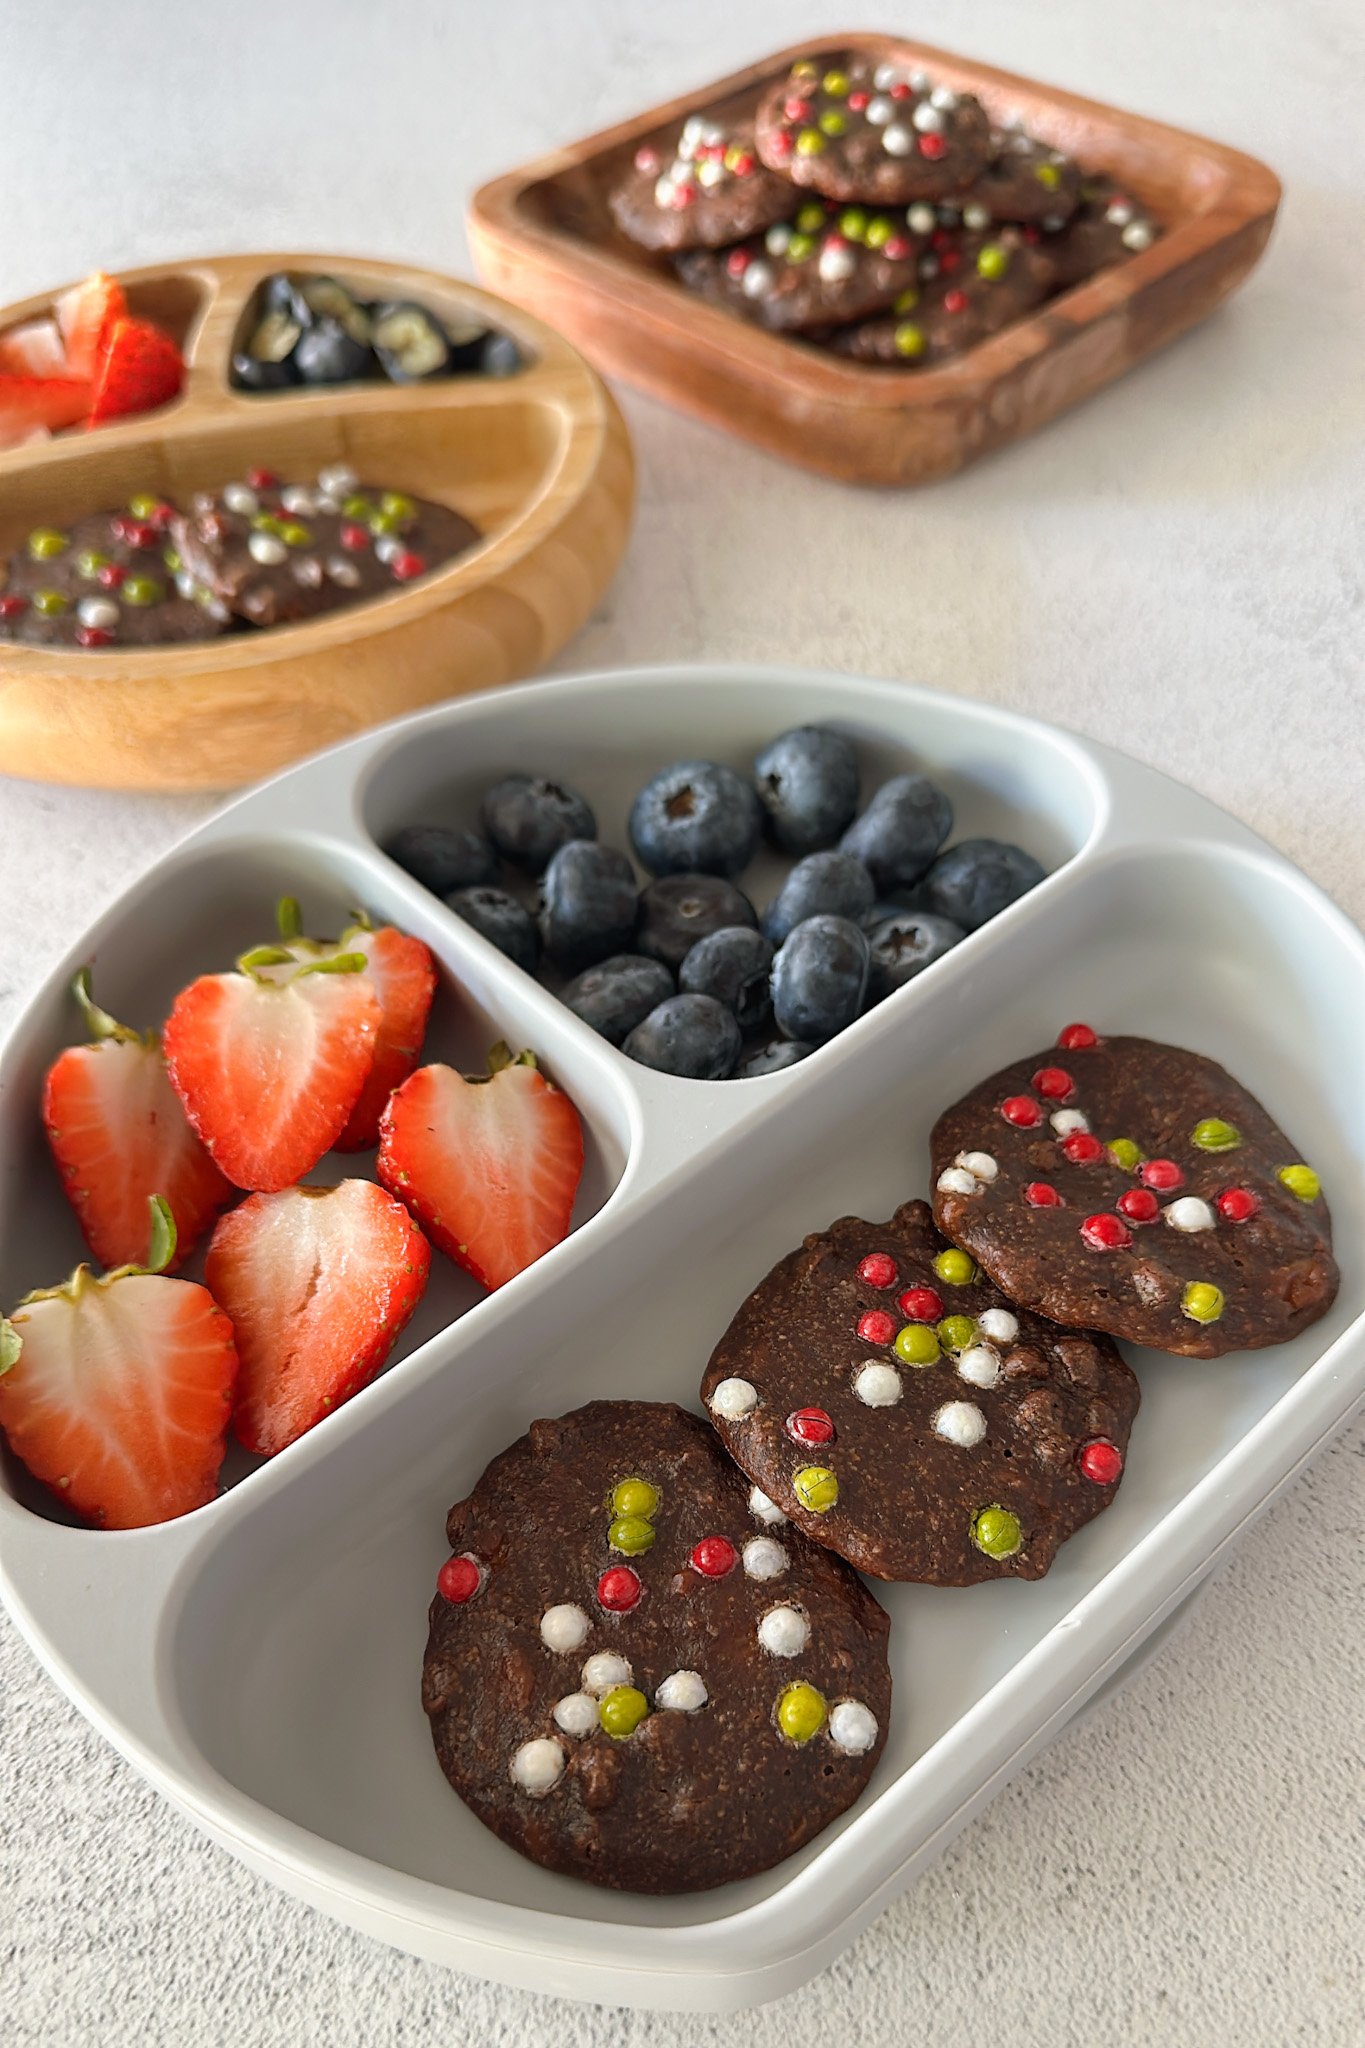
(120, 1136)
(34, 350)
(318, 1283)
(116, 1392)
(137, 368)
(86, 316)
(30, 405)
(269, 1070)
(489, 1167)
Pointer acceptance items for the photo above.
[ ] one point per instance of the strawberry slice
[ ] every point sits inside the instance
(318, 1283)
(120, 1136)
(489, 1167)
(34, 405)
(137, 368)
(268, 1069)
(85, 317)
(116, 1392)
(34, 350)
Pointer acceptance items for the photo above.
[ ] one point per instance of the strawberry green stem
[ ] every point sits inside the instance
(98, 1022)
(160, 1252)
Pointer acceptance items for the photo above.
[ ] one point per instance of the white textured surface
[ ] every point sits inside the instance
(1175, 569)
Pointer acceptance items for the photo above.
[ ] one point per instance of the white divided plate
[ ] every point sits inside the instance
(259, 1660)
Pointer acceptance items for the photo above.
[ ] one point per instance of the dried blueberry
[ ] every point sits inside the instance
(327, 354)
(529, 819)
(690, 1035)
(732, 965)
(443, 858)
(773, 1058)
(617, 994)
(677, 910)
(807, 781)
(255, 373)
(587, 905)
(503, 921)
(832, 883)
(901, 830)
(696, 817)
(904, 944)
(978, 878)
(820, 978)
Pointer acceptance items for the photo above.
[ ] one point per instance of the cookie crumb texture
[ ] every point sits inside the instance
(1139, 1189)
(909, 1416)
(633, 1690)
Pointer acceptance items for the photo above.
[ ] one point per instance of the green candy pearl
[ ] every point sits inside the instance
(1301, 1181)
(267, 522)
(816, 1487)
(1049, 175)
(879, 231)
(909, 339)
(630, 1534)
(622, 1710)
(143, 505)
(810, 142)
(810, 219)
(1202, 1302)
(993, 261)
(905, 302)
(835, 83)
(45, 542)
(384, 522)
(957, 1333)
(997, 1532)
(50, 603)
(357, 507)
(295, 536)
(799, 248)
(634, 1497)
(957, 1268)
(89, 562)
(142, 590)
(916, 1344)
(1211, 1134)
(396, 505)
(800, 1712)
(172, 560)
(1124, 1153)
(833, 122)
(853, 224)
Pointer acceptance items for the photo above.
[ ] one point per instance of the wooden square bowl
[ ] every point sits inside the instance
(540, 461)
(544, 235)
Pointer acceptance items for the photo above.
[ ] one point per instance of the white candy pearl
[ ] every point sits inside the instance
(976, 217)
(733, 1399)
(1189, 1213)
(267, 549)
(758, 277)
(299, 500)
(777, 238)
(763, 1509)
(878, 1385)
(710, 173)
(564, 1628)
(944, 97)
(97, 611)
(979, 1163)
(663, 191)
(343, 571)
(979, 1366)
(961, 1423)
(184, 583)
(852, 1727)
(880, 111)
(919, 81)
(927, 118)
(764, 1558)
(538, 1766)
(682, 1692)
(921, 218)
(388, 547)
(784, 1631)
(1137, 235)
(1118, 213)
(836, 263)
(339, 481)
(885, 76)
(1065, 1121)
(307, 571)
(998, 1324)
(577, 1714)
(604, 1670)
(954, 1180)
(240, 498)
(897, 141)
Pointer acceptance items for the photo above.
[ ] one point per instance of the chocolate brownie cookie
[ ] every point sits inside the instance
(1025, 180)
(1136, 1188)
(631, 1675)
(274, 553)
(1106, 227)
(884, 136)
(981, 285)
(701, 189)
(890, 1401)
(825, 265)
(112, 579)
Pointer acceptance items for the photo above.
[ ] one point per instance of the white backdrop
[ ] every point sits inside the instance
(1175, 569)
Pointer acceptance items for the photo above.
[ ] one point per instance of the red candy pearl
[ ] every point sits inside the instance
(1237, 1204)
(743, 165)
(949, 261)
(93, 636)
(12, 606)
(878, 1269)
(618, 1590)
(1076, 1038)
(1040, 1195)
(781, 143)
(646, 159)
(932, 146)
(140, 533)
(1082, 1148)
(1106, 1234)
(713, 1557)
(458, 1580)
(920, 1305)
(1162, 1174)
(1020, 1110)
(262, 479)
(1139, 1205)
(163, 515)
(794, 109)
(737, 262)
(810, 1426)
(1055, 1083)
(112, 575)
(898, 248)
(876, 1327)
(354, 538)
(1101, 1461)
(407, 565)
(900, 91)
(857, 101)
(955, 301)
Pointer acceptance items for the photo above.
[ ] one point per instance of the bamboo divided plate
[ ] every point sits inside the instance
(540, 461)
(544, 233)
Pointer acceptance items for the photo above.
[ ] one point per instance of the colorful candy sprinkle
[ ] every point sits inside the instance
(1190, 1214)
(632, 1535)
(1100, 1461)
(810, 1426)
(618, 1589)
(957, 1268)
(538, 1766)
(1212, 1134)
(564, 1628)
(1054, 1082)
(576, 1714)
(852, 1726)
(1301, 1181)
(800, 1712)
(878, 1385)
(622, 1710)
(45, 542)
(876, 1326)
(878, 1269)
(1106, 1233)
(1138, 1205)
(733, 1399)
(634, 1497)
(713, 1557)
(1238, 1205)
(957, 1333)
(916, 1344)
(783, 1631)
(920, 1305)
(816, 1487)
(1040, 1194)
(1021, 1110)
(603, 1670)
(1124, 1153)
(1076, 1038)
(1161, 1174)
(1202, 1302)
(682, 1692)
(997, 1532)
(960, 1423)
(459, 1579)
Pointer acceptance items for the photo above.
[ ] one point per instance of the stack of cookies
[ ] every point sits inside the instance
(872, 212)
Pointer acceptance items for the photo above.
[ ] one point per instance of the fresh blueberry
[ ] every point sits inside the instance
(443, 858)
(528, 820)
(691, 1035)
(807, 781)
(978, 878)
(900, 831)
(327, 354)
(884, 907)
(732, 965)
(696, 817)
(772, 1059)
(820, 978)
(823, 884)
(587, 905)
(504, 922)
(501, 357)
(617, 994)
(677, 910)
(904, 944)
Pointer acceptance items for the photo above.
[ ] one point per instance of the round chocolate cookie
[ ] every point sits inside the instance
(702, 188)
(980, 285)
(1136, 1188)
(631, 1675)
(884, 136)
(1025, 180)
(112, 579)
(1106, 227)
(826, 265)
(890, 1401)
